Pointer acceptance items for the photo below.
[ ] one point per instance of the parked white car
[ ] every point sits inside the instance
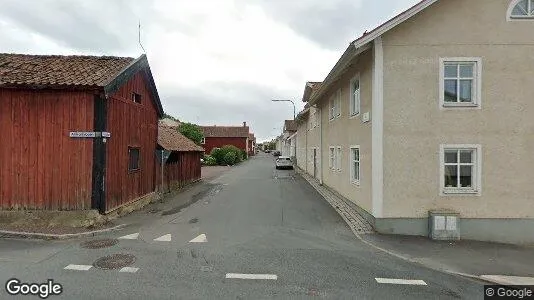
(283, 162)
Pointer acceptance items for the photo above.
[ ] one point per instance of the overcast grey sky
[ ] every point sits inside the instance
(214, 61)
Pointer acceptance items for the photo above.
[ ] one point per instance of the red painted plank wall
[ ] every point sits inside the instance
(41, 167)
(181, 169)
(130, 124)
(218, 142)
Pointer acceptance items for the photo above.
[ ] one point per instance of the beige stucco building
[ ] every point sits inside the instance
(433, 111)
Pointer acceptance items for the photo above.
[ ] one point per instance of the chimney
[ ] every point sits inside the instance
(244, 124)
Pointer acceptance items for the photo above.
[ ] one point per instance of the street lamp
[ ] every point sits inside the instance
(294, 110)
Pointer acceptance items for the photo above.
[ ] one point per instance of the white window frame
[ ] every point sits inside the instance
(477, 172)
(203, 141)
(331, 157)
(353, 179)
(338, 103)
(528, 17)
(331, 109)
(339, 158)
(477, 82)
(355, 105)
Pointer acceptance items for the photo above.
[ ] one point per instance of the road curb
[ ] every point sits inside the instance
(397, 255)
(48, 236)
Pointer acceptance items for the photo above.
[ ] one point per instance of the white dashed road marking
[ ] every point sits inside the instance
(251, 276)
(400, 281)
(129, 270)
(199, 239)
(163, 238)
(132, 236)
(78, 267)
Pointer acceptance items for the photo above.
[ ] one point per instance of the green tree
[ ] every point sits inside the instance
(192, 132)
(166, 116)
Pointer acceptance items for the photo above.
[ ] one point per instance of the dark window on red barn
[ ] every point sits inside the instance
(136, 97)
(133, 159)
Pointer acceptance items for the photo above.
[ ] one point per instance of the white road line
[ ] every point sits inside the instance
(251, 276)
(129, 270)
(78, 267)
(133, 236)
(164, 238)
(400, 281)
(199, 239)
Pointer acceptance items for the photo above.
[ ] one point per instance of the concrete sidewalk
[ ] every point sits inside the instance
(497, 263)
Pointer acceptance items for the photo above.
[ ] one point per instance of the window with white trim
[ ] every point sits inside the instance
(332, 109)
(338, 159)
(355, 164)
(460, 82)
(335, 105)
(332, 158)
(460, 169)
(203, 141)
(355, 96)
(523, 9)
(338, 103)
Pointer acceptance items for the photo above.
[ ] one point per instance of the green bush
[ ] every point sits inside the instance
(243, 154)
(230, 158)
(218, 155)
(210, 160)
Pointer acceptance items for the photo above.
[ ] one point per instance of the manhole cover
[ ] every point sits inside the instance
(114, 261)
(97, 244)
(194, 220)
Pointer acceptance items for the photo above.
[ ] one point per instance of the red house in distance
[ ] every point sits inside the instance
(219, 136)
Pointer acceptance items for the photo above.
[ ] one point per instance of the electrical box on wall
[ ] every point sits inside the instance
(444, 225)
(365, 117)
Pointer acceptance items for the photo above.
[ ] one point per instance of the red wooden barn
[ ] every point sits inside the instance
(78, 132)
(182, 165)
(219, 136)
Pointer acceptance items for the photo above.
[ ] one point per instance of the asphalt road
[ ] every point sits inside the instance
(256, 220)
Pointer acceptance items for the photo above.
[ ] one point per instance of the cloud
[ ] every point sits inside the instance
(220, 60)
(95, 26)
(215, 106)
(332, 24)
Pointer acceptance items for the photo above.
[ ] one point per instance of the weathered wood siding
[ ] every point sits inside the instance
(131, 125)
(41, 167)
(181, 169)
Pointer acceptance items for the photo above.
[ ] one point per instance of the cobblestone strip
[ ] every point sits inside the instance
(356, 222)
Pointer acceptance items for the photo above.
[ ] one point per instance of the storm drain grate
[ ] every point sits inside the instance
(114, 261)
(97, 244)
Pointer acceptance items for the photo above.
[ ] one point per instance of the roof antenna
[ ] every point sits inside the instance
(140, 38)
